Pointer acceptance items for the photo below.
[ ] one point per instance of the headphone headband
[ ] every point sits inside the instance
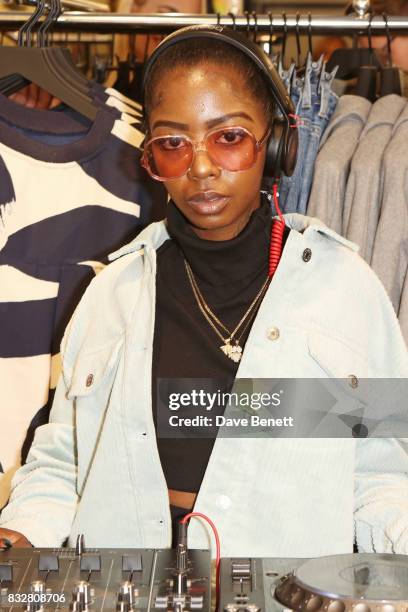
(282, 147)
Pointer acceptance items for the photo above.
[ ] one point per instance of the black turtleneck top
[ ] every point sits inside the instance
(229, 274)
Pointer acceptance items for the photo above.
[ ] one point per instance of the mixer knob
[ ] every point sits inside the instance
(241, 570)
(126, 596)
(37, 587)
(81, 597)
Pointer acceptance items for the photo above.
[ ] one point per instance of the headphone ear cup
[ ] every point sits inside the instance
(281, 152)
(273, 158)
(291, 149)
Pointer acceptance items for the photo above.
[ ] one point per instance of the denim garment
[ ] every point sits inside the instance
(323, 104)
(301, 97)
(316, 103)
(95, 469)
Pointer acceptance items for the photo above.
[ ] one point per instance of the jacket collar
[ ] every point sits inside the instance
(153, 236)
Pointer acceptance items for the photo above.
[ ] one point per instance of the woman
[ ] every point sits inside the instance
(195, 298)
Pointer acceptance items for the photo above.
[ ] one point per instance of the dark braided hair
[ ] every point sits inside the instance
(196, 51)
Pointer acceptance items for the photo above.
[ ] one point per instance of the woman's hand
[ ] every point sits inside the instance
(9, 538)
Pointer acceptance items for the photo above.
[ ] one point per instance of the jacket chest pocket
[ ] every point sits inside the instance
(357, 390)
(92, 382)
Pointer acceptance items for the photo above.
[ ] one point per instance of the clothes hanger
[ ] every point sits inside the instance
(390, 78)
(13, 82)
(60, 58)
(310, 36)
(234, 25)
(349, 61)
(367, 75)
(33, 64)
(284, 40)
(248, 23)
(255, 16)
(271, 32)
(298, 45)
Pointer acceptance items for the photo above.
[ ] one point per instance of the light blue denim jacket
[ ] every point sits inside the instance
(95, 468)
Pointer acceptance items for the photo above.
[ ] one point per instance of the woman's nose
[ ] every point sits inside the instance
(203, 166)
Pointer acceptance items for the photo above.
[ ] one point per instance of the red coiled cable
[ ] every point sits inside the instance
(277, 231)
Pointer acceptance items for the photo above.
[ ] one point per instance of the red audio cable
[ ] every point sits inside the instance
(277, 231)
(217, 551)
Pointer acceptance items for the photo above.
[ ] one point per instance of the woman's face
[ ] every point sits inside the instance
(193, 101)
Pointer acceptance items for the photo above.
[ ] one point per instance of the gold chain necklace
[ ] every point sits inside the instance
(231, 347)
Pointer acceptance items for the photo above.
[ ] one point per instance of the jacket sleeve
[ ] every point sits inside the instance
(381, 472)
(44, 498)
(381, 495)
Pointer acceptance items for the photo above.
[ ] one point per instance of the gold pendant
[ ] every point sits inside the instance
(232, 351)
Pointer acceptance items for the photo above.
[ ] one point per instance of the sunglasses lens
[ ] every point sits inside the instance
(232, 149)
(169, 157)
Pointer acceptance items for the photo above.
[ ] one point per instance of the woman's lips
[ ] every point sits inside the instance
(208, 202)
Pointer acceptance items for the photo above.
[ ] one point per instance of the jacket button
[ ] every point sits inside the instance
(273, 333)
(223, 501)
(89, 380)
(353, 381)
(307, 255)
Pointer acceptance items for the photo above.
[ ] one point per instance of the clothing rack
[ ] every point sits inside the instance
(131, 23)
(73, 5)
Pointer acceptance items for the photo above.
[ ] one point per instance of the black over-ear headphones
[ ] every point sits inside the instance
(283, 141)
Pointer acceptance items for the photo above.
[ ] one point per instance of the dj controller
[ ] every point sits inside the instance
(130, 580)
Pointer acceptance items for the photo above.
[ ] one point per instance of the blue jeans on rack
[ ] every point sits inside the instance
(315, 103)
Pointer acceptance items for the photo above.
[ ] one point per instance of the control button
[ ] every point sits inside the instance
(307, 255)
(89, 380)
(223, 501)
(231, 608)
(132, 563)
(252, 608)
(241, 569)
(353, 381)
(273, 333)
(37, 587)
(81, 596)
(126, 597)
(90, 563)
(48, 563)
(6, 572)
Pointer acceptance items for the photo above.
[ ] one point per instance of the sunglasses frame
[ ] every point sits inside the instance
(201, 147)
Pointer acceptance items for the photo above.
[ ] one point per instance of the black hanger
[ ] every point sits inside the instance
(248, 25)
(390, 78)
(234, 25)
(298, 45)
(255, 16)
(310, 35)
(367, 75)
(60, 57)
(349, 61)
(284, 39)
(270, 43)
(33, 64)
